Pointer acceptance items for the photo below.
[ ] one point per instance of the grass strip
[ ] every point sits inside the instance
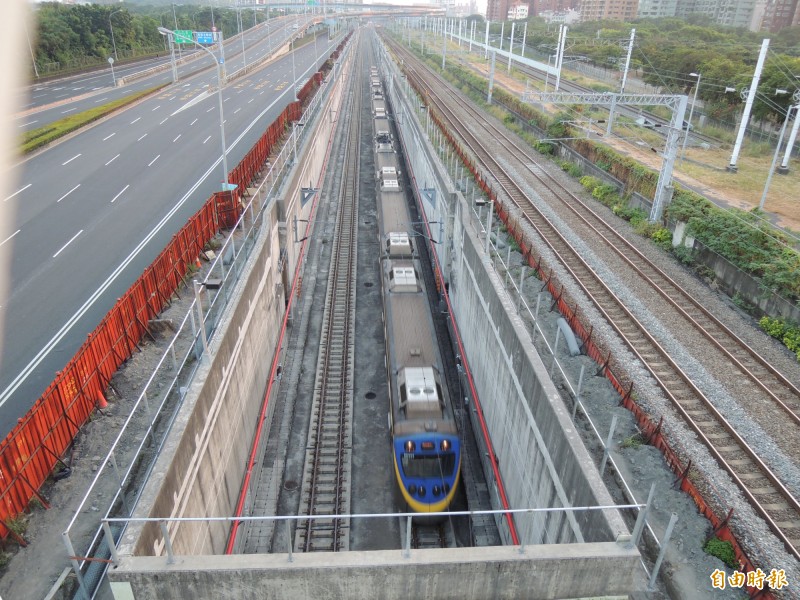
(42, 136)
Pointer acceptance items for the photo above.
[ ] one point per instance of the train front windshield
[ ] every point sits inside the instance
(427, 466)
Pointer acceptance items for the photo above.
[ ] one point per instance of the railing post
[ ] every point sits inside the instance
(536, 317)
(75, 565)
(555, 350)
(202, 323)
(407, 549)
(642, 517)
(578, 392)
(112, 546)
(607, 447)
(167, 542)
(656, 567)
(289, 540)
(521, 285)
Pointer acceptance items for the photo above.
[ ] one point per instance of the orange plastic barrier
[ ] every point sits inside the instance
(33, 449)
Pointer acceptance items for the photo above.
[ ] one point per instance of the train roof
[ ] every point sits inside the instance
(392, 212)
(385, 159)
(409, 325)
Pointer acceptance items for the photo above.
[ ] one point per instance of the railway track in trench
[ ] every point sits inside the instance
(762, 488)
(326, 477)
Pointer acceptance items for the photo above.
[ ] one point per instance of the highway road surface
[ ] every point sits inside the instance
(93, 211)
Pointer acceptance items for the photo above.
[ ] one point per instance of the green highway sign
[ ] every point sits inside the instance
(183, 36)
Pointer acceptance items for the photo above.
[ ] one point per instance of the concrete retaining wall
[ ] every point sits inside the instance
(565, 571)
(542, 459)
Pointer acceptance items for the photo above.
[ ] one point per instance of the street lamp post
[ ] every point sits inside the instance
(113, 43)
(691, 112)
(165, 31)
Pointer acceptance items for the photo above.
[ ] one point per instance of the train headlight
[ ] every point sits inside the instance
(446, 488)
(410, 446)
(445, 445)
(412, 489)
(421, 491)
(437, 490)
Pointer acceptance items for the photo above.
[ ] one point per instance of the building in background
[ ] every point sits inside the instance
(517, 11)
(728, 13)
(497, 10)
(614, 10)
(654, 9)
(779, 14)
(568, 17)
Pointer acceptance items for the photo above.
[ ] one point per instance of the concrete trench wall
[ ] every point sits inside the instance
(200, 469)
(542, 459)
(562, 571)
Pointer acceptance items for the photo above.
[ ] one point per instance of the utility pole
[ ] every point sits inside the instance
(491, 78)
(748, 106)
(511, 45)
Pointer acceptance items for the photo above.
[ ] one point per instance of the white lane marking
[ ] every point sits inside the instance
(193, 122)
(120, 194)
(69, 192)
(176, 139)
(70, 160)
(226, 99)
(112, 160)
(205, 140)
(28, 123)
(156, 108)
(164, 121)
(251, 99)
(136, 119)
(108, 137)
(237, 110)
(261, 92)
(210, 109)
(58, 89)
(141, 138)
(11, 236)
(101, 99)
(171, 99)
(72, 239)
(70, 323)
(17, 192)
(224, 121)
(150, 164)
(68, 111)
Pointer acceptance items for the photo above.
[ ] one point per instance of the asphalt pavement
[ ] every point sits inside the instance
(93, 211)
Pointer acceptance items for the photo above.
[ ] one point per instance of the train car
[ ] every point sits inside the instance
(379, 107)
(382, 131)
(426, 446)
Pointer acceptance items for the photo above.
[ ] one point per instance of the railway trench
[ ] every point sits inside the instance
(374, 555)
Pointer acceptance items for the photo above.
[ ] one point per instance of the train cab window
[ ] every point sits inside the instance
(425, 466)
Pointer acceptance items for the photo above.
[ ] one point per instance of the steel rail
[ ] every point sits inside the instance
(768, 378)
(327, 473)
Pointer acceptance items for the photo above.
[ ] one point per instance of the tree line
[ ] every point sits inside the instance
(667, 50)
(82, 34)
